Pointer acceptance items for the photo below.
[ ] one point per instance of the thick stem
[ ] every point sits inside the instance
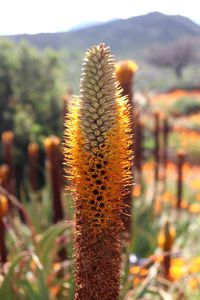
(97, 264)
(157, 146)
(180, 163)
(165, 149)
(33, 153)
(55, 173)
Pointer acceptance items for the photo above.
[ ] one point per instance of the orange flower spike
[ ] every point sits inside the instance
(98, 156)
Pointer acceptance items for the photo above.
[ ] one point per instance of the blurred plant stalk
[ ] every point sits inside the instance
(180, 163)
(166, 239)
(7, 141)
(54, 167)
(156, 147)
(33, 165)
(125, 73)
(166, 130)
(4, 176)
(3, 213)
(138, 151)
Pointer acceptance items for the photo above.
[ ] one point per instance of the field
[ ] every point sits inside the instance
(160, 241)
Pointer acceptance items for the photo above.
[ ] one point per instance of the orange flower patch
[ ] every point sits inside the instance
(139, 274)
(194, 208)
(137, 190)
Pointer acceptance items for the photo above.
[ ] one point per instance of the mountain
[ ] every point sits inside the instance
(85, 25)
(132, 35)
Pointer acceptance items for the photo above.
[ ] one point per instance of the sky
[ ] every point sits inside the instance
(34, 16)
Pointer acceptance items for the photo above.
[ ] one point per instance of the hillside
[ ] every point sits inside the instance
(127, 36)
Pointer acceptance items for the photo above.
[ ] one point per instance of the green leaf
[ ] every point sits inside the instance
(47, 243)
(5, 289)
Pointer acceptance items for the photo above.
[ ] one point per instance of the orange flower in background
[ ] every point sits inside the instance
(166, 240)
(195, 265)
(198, 197)
(169, 98)
(166, 237)
(194, 283)
(187, 123)
(195, 184)
(148, 166)
(147, 170)
(139, 274)
(158, 205)
(189, 269)
(125, 70)
(194, 208)
(178, 269)
(3, 213)
(3, 206)
(137, 190)
(167, 198)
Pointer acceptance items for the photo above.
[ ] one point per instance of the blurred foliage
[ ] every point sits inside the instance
(31, 89)
(191, 122)
(185, 106)
(188, 140)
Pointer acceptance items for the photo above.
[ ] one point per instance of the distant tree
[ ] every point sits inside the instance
(176, 55)
(38, 89)
(8, 69)
(31, 90)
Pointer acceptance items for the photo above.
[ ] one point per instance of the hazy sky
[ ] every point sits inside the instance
(32, 16)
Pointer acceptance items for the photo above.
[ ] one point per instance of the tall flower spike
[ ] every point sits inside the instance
(98, 156)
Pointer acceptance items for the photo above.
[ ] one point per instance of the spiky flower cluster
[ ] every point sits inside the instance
(98, 155)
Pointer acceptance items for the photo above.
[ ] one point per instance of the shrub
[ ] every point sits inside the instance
(185, 106)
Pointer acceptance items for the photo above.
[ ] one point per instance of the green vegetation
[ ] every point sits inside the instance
(31, 89)
(185, 106)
